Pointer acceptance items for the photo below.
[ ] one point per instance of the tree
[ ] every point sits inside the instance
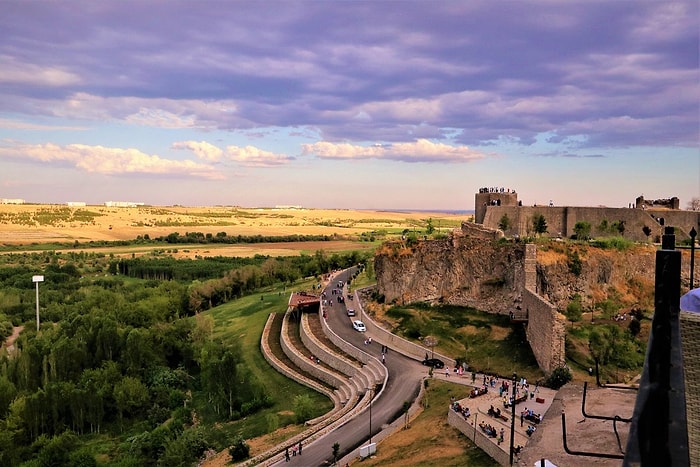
(582, 230)
(694, 204)
(559, 377)
(429, 228)
(504, 223)
(635, 327)
(240, 450)
(336, 451)
(574, 310)
(404, 409)
(539, 224)
(303, 408)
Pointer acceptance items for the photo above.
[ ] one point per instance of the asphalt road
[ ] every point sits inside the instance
(402, 385)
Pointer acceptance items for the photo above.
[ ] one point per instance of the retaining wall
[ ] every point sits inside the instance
(408, 348)
(318, 349)
(478, 437)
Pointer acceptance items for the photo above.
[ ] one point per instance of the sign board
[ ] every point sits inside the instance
(37, 278)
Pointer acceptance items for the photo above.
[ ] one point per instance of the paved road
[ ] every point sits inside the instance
(403, 384)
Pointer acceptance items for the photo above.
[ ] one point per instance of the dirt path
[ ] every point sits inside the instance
(10, 341)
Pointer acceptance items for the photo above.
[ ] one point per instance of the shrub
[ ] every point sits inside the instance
(558, 378)
(239, 451)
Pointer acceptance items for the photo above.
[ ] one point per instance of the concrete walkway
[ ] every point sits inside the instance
(479, 407)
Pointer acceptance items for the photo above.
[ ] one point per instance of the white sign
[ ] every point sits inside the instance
(37, 278)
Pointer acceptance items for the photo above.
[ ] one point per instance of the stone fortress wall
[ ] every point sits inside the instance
(490, 207)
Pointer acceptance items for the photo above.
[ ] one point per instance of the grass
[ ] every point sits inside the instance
(488, 342)
(242, 321)
(429, 440)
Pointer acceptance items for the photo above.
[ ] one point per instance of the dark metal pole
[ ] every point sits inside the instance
(370, 416)
(512, 420)
(693, 234)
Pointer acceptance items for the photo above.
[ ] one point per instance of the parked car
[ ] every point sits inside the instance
(359, 325)
(434, 362)
(351, 312)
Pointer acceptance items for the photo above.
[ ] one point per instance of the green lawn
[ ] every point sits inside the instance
(242, 321)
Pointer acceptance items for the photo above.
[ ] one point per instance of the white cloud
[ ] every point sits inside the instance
(421, 150)
(109, 161)
(255, 157)
(201, 149)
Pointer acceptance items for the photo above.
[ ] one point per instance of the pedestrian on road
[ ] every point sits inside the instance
(447, 372)
(300, 448)
(383, 359)
(522, 418)
(286, 455)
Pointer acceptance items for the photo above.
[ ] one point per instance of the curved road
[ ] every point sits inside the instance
(403, 384)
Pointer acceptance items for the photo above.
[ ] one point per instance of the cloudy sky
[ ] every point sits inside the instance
(352, 104)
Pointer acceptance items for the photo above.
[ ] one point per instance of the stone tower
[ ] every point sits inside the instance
(492, 197)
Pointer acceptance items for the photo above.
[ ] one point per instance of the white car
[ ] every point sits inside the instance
(351, 312)
(359, 325)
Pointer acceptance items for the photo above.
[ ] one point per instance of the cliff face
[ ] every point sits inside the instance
(465, 271)
(488, 275)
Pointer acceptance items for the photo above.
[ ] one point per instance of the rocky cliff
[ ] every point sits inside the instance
(487, 274)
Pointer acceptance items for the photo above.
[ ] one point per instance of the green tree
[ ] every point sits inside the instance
(239, 450)
(559, 377)
(336, 451)
(130, 396)
(539, 224)
(504, 223)
(429, 227)
(582, 230)
(574, 310)
(303, 408)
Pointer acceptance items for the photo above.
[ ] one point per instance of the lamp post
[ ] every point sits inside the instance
(370, 415)
(36, 280)
(512, 420)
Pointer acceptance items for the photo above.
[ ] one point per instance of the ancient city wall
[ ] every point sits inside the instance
(561, 220)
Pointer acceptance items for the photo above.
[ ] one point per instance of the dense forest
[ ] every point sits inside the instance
(120, 356)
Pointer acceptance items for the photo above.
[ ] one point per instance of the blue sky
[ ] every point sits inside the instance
(352, 104)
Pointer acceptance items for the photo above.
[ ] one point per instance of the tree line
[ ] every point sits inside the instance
(121, 356)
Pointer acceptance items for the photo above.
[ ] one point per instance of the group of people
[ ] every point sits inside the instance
(495, 189)
(457, 407)
(528, 414)
(296, 449)
(476, 392)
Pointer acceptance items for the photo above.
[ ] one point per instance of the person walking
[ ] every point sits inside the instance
(300, 448)
(286, 455)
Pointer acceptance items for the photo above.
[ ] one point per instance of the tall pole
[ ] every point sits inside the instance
(512, 420)
(36, 280)
(693, 234)
(370, 415)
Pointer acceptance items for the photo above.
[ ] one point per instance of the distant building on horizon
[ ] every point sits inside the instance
(76, 204)
(122, 204)
(12, 201)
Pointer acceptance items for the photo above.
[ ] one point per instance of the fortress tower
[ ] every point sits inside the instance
(492, 197)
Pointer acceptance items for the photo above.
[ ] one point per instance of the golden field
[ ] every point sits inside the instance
(28, 224)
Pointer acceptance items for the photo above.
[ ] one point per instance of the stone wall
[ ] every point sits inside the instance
(383, 337)
(561, 220)
(478, 437)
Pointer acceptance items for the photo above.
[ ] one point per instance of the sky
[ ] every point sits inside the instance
(390, 104)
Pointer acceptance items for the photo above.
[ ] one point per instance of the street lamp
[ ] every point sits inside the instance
(36, 280)
(512, 419)
(370, 415)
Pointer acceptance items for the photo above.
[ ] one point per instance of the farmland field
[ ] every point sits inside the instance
(61, 227)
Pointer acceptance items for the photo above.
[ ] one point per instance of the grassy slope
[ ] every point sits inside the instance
(429, 440)
(242, 321)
